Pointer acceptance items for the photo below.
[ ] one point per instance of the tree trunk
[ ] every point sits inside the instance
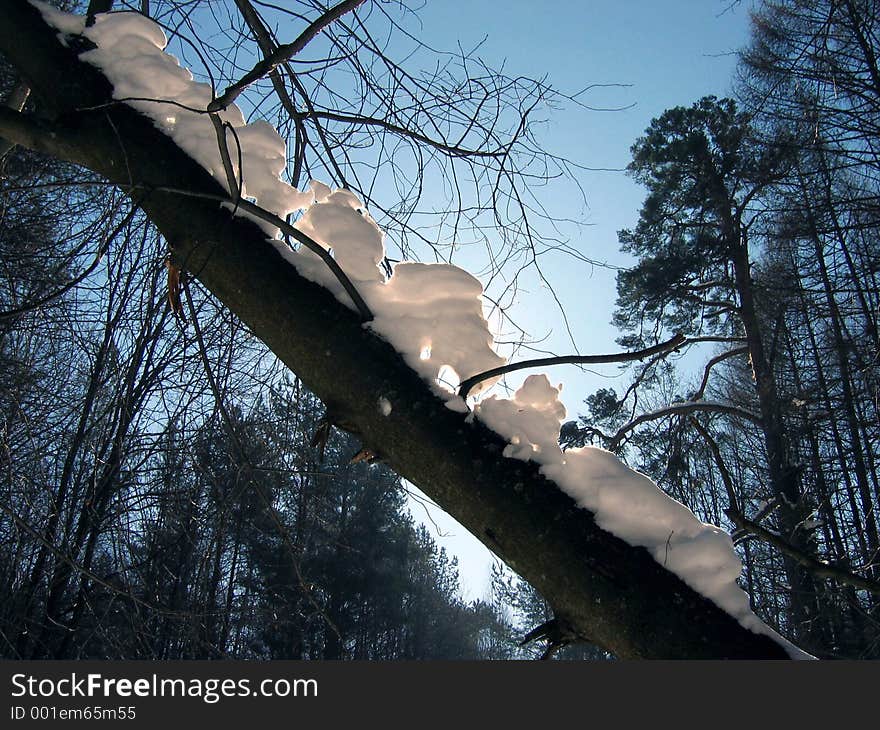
(783, 475)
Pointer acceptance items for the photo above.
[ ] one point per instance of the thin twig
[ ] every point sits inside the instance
(231, 179)
(243, 457)
(102, 249)
(282, 54)
(255, 210)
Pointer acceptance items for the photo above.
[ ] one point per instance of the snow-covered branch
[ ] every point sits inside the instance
(608, 550)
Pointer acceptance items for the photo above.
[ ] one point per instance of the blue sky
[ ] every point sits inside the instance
(666, 53)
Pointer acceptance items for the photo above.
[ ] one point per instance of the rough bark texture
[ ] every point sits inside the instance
(616, 595)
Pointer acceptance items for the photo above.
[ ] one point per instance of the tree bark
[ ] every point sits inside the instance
(783, 475)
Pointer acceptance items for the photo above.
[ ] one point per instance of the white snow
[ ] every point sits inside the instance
(431, 313)
(626, 504)
(130, 53)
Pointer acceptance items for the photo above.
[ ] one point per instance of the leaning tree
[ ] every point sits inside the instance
(363, 121)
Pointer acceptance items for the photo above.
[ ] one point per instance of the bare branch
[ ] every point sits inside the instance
(455, 150)
(678, 409)
(267, 46)
(255, 210)
(818, 567)
(719, 462)
(671, 344)
(31, 306)
(712, 363)
(813, 564)
(282, 54)
(231, 179)
(65, 558)
(243, 458)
